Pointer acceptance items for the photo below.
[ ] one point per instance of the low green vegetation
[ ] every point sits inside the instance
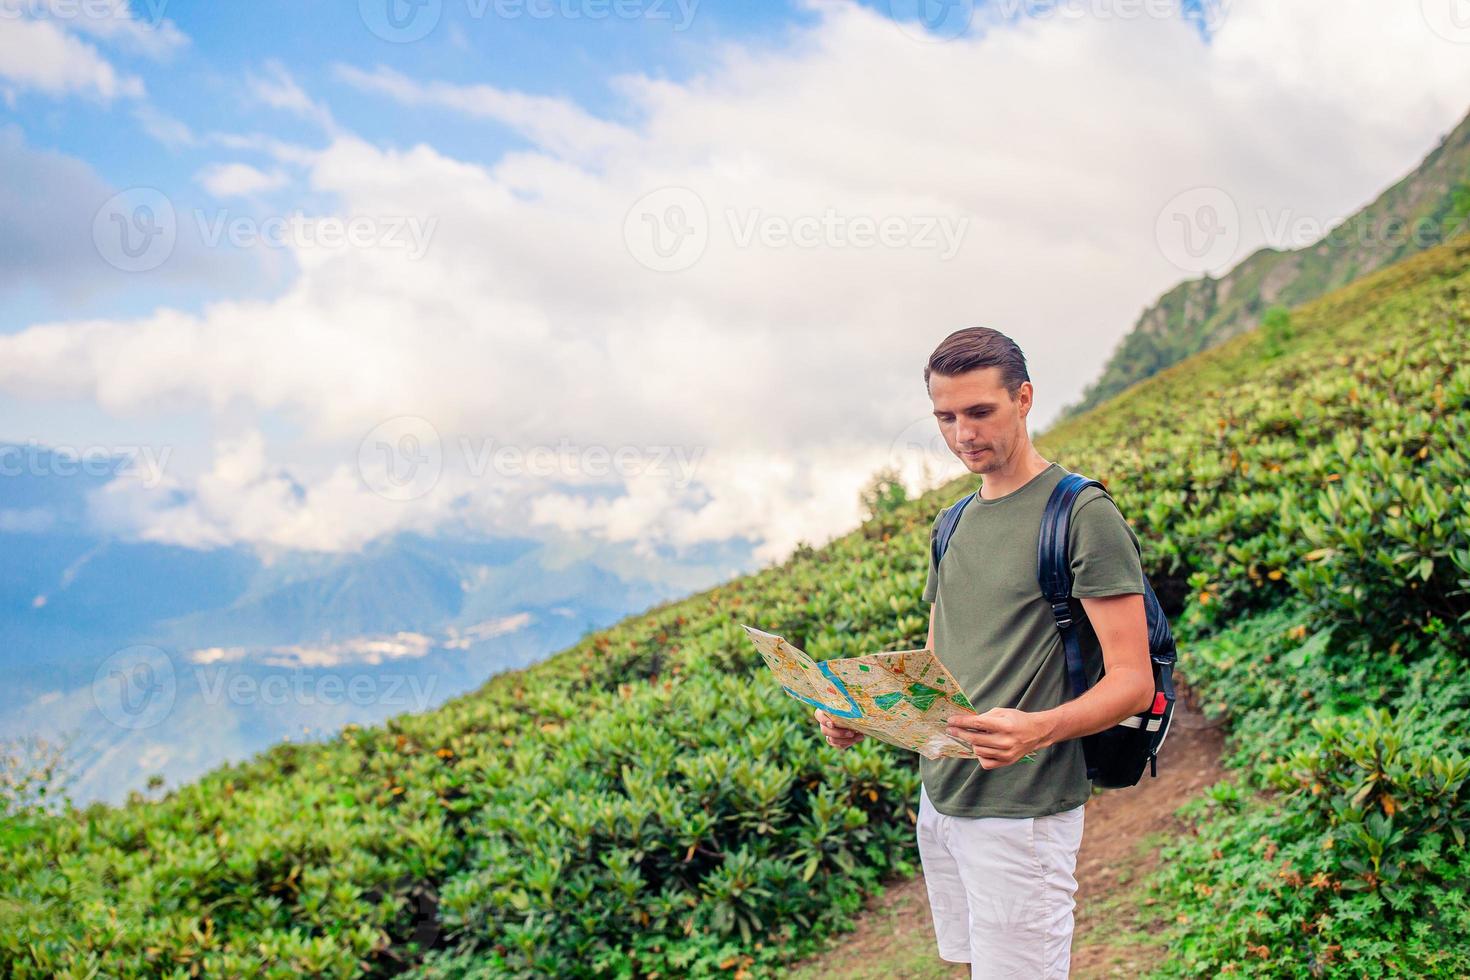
(1316, 511)
(1275, 331)
(646, 804)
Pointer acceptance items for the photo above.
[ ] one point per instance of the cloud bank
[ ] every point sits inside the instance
(748, 268)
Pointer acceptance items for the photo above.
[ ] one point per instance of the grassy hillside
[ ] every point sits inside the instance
(645, 804)
(1312, 504)
(1428, 206)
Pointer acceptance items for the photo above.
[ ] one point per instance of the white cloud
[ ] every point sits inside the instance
(169, 131)
(277, 89)
(277, 149)
(239, 180)
(776, 500)
(791, 371)
(139, 27)
(42, 55)
(403, 645)
(26, 520)
(41, 45)
(555, 125)
(245, 496)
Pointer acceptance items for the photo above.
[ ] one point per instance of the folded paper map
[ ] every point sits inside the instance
(904, 698)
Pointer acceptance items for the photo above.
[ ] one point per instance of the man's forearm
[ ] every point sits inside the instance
(1114, 697)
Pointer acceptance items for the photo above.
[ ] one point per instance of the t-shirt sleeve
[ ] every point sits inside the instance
(1105, 552)
(931, 583)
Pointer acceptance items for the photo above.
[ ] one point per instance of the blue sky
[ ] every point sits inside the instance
(566, 48)
(503, 167)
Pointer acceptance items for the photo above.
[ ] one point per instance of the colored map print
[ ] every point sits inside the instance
(904, 698)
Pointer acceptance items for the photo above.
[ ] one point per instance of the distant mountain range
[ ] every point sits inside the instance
(1200, 313)
(438, 614)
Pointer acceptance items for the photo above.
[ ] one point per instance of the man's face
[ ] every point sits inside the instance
(981, 423)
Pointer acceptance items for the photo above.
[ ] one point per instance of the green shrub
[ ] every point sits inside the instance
(884, 494)
(1339, 847)
(1276, 331)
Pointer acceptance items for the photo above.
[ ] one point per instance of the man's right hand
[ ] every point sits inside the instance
(837, 736)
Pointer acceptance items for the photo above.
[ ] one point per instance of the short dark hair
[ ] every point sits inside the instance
(979, 347)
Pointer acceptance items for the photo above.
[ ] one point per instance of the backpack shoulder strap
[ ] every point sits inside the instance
(949, 519)
(1054, 569)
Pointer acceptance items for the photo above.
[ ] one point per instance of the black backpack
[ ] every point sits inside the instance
(1115, 756)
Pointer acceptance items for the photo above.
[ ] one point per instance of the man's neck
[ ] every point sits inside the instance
(998, 483)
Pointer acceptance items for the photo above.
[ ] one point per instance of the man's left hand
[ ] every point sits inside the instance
(1000, 736)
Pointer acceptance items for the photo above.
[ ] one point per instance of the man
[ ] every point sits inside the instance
(998, 836)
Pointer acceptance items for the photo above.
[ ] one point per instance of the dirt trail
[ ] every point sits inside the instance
(895, 936)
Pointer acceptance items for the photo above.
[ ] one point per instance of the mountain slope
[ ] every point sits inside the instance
(647, 803)
(1428, 206)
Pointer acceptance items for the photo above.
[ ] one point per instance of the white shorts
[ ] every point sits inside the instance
(1000, 890)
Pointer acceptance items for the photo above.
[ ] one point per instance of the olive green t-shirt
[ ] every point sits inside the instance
(996, 634)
